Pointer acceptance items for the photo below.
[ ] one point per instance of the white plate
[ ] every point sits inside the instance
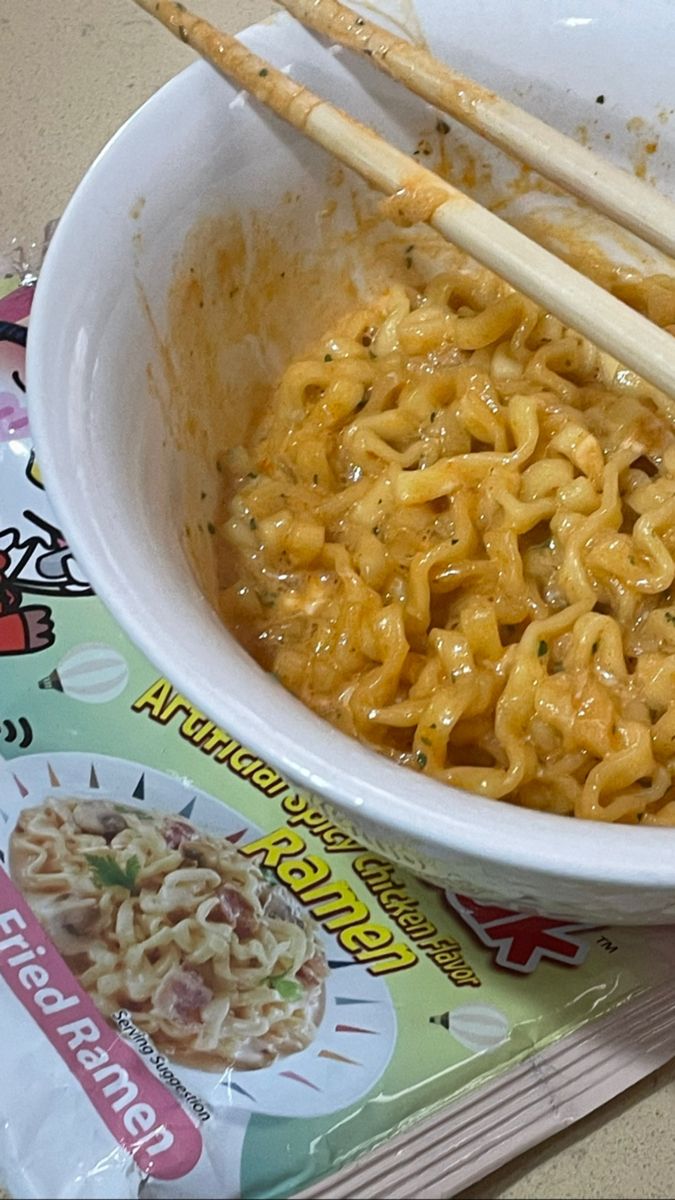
(357, 1034)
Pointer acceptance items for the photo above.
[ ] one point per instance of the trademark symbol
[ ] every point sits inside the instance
(606, 944)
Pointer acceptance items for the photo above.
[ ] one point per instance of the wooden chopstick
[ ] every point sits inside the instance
(621, 196)
(417, 194)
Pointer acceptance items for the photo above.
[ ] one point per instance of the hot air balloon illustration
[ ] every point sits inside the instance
(477, 1026)
(92, 673)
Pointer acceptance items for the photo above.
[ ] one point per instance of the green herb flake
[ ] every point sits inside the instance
(433, 416)
(442, 126)
(408, 261)
(211, 528)
(454, 541)
(263, 73)
(328, 358)
(670, 617)
(315, 478)
(542, 649)
(203, 495)
(253, 523)
(288, 989)
(421, 758)
(361, 404)
(426, 741)
(600, 99)
(595, 647)
(107, 872)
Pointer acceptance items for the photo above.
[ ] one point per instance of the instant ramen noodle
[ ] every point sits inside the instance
(454, 536)
(219, 965)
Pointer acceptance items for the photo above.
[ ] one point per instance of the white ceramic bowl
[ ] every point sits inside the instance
(121, 488)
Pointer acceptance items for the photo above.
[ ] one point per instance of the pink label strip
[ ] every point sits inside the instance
(17, 305)
(140, 1113)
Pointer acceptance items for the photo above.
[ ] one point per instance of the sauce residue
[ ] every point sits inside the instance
(248, 295)
(417, 200)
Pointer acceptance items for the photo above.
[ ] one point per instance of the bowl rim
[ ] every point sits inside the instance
(360, 782)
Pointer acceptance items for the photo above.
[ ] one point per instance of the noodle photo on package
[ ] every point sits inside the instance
(453, 536)
(217, 964)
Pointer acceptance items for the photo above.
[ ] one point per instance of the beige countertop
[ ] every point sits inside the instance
(71, 73)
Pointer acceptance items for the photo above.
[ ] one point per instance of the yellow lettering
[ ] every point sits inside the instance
(216, 738)
(415, 924)
(304, 872)
(154, 699)
(294, 803)
(237, 760)
(335, 837)
(252, 766)
(193, 724)
(203, 733)
(275, 846)
(337, 841)
(178, 703)
(277, 787)
(264, 778)
(336, 897)
(373, 870)
(312, 818)
(396, 958)
(365, 937)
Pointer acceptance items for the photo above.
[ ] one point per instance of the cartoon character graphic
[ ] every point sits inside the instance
(35, 560)
(23, 628)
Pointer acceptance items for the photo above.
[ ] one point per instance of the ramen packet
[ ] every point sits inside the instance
(207, 987)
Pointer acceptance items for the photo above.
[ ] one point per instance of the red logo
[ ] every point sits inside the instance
(522, 941)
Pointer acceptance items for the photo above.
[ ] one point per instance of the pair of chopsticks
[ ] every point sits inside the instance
(418, 194)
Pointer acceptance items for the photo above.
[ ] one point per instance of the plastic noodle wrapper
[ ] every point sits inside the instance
(210, 989)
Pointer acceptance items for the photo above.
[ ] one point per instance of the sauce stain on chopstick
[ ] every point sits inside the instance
(417, 200)
(409, 62)
(289, 99)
